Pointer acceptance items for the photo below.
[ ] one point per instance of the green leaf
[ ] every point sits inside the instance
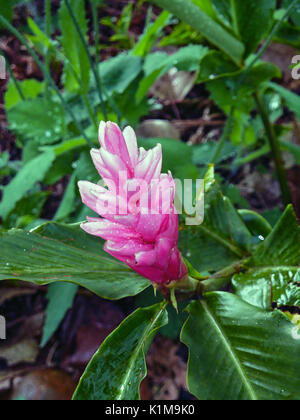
(118, 368)
(282, 245)
(263, 287)
(33, 172)
(220, 241)
(206, 6)
(204, 153)
(256, 223)
(30, 88)
(38, 118)
(240, 352)
(157, 64)
(152, 32)
(176, 319)
(26, 210)
(252, 20)
(188, 12)
(60, 297)
(73, 47)
(65, 253)
(117, 74)
(223, 220)
(291, 99)
(66, 206)
(216, 65)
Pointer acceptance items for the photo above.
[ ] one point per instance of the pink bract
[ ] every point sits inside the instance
(137, 219)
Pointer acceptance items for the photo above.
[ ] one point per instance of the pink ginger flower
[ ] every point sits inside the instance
(140, 228)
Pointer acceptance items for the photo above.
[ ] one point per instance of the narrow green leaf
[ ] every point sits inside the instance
(60, 297)
(118, 368)
(188, 12)
(73, 47)
(146, 41)
(67, 204)
(240, 352)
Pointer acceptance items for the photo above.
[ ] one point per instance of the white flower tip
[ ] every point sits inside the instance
(101, 132)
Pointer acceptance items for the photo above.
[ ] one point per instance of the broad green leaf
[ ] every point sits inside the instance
(73, 47)
(256, 223)
(282, 245)
(220, 241)
(60, 299)
(118, 368)
(117, 73)
(223, 220)
(206, 251)
(38, 118)
(33, 172)
(65, 253)
(216, 65)
(252, 20)
(264, 287)
(240, 352)
(188, 12)
(30, 88)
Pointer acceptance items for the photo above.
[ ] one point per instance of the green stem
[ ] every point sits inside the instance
(48, 33)
(264, 150)
(268, 40)
(224, 137)
(96, 28)
(47, 76)
(90, 111)
(93, 66)
(222, 278)
(275, 148)
(13, 78)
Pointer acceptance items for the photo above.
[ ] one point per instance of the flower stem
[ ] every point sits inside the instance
(275, 148)
(224, 137)
(222, 278)
(271, 36)
(13, 78)
(96, 28)
(48, 33)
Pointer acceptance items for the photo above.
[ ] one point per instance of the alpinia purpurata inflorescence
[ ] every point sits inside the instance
(138, 218)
